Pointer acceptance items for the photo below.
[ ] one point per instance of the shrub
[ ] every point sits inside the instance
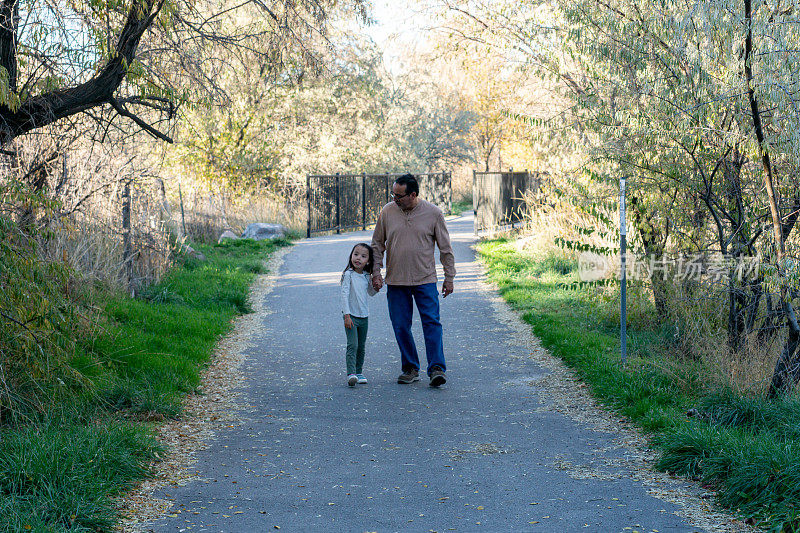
(41, 314)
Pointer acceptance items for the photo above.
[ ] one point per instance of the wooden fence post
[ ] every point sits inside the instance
(364, 201)
(450, 193)
(475, 200)
(308, 203)
(183, 217)
(127, 252)
(338, 215)
(474, 192)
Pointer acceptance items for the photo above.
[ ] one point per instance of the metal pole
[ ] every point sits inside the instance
(364, 201)
(308, 202)
(528, 190)
(623, 336)
(183, 216)
(338, 219)
(450, 193)
(474, 201)
(127, 247)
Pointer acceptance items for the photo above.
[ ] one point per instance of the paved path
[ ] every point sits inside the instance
(476, 455)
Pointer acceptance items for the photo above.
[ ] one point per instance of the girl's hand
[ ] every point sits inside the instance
(348, 322)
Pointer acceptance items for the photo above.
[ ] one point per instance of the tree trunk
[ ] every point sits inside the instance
(653, 243)
(738, 306)
(9, 19)
(787, 369)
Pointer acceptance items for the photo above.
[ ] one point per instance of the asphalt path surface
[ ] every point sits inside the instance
(312, 454)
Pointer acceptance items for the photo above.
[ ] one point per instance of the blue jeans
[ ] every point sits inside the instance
(400, 312)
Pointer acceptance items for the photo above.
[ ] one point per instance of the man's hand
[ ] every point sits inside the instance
(377, 281)
(447, 288)
(348, 322)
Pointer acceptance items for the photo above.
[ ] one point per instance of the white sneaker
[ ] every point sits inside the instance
(361, 378)
(352, 379)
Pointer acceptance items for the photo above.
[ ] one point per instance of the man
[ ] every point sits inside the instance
(407, 229)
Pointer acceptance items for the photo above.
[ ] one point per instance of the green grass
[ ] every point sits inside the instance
(456, 208)
(61, 469)
(63, 477)
(746, 448)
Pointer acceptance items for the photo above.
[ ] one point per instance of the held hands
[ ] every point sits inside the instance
(447, 288)
(377, 284)
(348, 322)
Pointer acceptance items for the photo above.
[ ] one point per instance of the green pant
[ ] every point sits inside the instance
(356, 344)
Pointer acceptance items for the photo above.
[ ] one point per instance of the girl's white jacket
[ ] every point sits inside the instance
(354, 291)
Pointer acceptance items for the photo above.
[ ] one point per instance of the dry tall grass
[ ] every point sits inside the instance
(547, 217)
(204, 214)
(86, 181)
(695, 325)
(86, 231)
(699, 314)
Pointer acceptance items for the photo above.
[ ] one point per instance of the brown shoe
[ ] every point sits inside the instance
(408, 376)
(437, 377)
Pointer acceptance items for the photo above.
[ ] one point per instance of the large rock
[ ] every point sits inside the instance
(261, 230)
(227, 234)
(191, 252)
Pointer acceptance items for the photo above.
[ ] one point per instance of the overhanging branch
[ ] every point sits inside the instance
(139, 122)
(53, 105)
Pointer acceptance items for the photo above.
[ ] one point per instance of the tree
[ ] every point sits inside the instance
(781, 63)
(137, 56)
(697, 102)
(437, 117)
(672, 78)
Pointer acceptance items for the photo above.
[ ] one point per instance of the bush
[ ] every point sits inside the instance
(42, 313)
(640, 308)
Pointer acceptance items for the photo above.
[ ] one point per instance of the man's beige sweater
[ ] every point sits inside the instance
(407, 238)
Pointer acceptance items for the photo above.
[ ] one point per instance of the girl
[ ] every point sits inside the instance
(356, 284)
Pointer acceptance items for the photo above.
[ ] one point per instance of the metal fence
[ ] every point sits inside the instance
(343, 202)
(498, 198)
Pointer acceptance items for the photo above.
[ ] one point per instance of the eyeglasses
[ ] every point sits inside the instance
(396, 197)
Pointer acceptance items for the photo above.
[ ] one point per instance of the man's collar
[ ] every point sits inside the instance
(414, 207)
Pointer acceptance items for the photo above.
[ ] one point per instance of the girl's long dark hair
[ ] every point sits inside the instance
(367, 267)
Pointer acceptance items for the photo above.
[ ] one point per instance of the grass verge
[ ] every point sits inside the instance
(745, 448)
(459, 207)
(61, 469)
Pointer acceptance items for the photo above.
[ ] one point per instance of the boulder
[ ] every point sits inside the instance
(227, 234)
(191, 252)
(261, 230)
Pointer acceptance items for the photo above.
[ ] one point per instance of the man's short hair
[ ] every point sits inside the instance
(410, 182)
